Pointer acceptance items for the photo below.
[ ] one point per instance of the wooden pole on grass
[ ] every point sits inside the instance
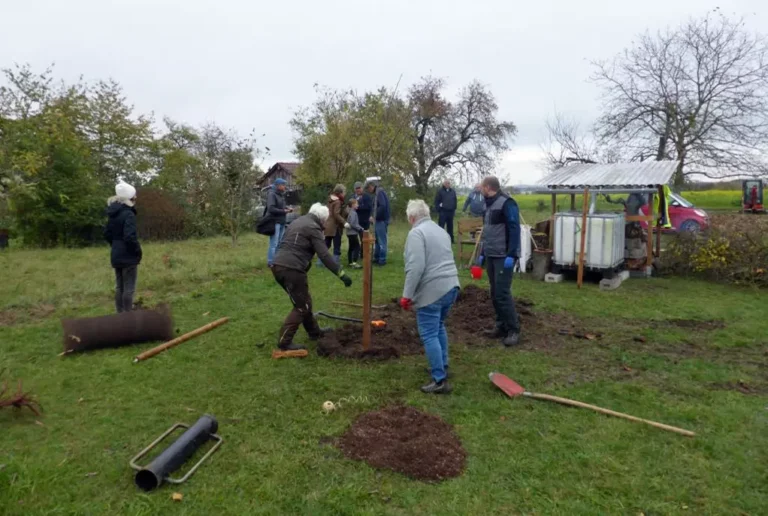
(367, 269)
(584, 210)
(178, 340)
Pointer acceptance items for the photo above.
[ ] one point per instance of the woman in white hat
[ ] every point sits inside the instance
(126, 250)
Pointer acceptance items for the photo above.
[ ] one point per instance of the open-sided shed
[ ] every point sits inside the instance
(591, 179)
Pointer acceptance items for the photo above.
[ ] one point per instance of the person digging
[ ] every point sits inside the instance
(431, 288)
(302, 240)
(500, 248)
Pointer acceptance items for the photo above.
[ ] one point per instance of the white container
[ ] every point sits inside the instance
(604, 244)
(525, 248)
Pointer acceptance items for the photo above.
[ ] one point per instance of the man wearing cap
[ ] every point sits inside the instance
(277, 210)
(126, 250)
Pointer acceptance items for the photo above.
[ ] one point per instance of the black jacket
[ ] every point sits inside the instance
(303, 238)
(364, 209)
(276, 206)
(121, 234)
(445, 200)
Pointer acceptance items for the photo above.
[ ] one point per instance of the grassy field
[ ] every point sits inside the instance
(524, 456)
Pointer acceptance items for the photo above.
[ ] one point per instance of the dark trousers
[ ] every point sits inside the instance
(125, 287)
(353, 254)
(445, 221)
(336, 241)
(295, 284)
(501, 294)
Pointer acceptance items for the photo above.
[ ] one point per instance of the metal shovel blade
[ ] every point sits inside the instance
(506, 384)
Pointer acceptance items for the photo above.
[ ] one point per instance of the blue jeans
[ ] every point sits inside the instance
(431, 322)
(380, 249)
(274, 240)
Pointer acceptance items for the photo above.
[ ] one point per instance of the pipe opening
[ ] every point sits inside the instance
(147, 480)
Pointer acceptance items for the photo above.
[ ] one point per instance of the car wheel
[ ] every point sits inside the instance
(690, 226)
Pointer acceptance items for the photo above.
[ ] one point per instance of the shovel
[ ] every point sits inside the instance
(512, 389)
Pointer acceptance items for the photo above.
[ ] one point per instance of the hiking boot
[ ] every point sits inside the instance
(291, 347)
(448, 373)
(512, 339)
(496, 333)
(437, 388)
(323, 331)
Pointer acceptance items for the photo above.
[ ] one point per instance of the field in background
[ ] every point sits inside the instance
(702, 366)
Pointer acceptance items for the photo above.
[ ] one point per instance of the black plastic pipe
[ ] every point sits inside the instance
(338, 317)
(177, 453)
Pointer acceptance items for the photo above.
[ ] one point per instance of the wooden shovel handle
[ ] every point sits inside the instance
(574, 403)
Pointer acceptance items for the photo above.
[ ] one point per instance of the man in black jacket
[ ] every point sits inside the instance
(445, 205)
(303, 239)
(126, 250)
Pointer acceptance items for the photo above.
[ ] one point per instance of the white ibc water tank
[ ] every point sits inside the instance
(604, 244)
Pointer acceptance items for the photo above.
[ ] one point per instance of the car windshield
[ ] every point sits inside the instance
(680, 200)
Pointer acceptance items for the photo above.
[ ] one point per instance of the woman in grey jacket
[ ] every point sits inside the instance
(431, 287)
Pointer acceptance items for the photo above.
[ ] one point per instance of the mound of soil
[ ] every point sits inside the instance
(405, 440)
(399, 337)
(473, 312)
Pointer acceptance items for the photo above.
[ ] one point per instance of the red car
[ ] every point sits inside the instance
(685, 216)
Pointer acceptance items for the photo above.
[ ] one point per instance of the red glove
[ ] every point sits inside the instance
(405, 303)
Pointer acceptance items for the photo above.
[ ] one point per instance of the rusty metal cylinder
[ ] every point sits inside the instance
(112, 331)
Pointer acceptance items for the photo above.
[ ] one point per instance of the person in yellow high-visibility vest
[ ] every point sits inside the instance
(661, 207)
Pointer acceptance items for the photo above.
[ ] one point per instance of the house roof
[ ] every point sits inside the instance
(288, 166)
(595, 175)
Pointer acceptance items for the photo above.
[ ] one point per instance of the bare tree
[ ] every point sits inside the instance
(463, 137)
(567, 142)
(697, 94)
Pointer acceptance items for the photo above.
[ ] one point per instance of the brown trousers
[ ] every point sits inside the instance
(295, 284)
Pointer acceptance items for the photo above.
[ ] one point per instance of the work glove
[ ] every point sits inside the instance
(509, 262)
(346, 225)
(405, 303)
(345, 279)
(480, 260)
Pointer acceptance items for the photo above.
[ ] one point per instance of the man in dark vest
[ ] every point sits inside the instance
(500, 249)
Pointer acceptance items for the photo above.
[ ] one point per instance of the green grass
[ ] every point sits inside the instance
(524, 456)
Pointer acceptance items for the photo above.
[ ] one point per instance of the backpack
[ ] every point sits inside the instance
(266, 226)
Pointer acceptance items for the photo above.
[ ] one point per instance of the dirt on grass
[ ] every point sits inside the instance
(399, 337)
(472, 313)
(406, 440)
(14, 316)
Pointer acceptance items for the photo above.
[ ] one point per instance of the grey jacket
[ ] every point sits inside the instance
(430, 270)
(355, 229)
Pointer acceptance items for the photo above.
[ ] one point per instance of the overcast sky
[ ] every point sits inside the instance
(249, 64)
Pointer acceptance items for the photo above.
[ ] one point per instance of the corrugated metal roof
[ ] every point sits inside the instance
(635, 174)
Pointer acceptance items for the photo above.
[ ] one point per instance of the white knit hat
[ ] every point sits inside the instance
(125, 190)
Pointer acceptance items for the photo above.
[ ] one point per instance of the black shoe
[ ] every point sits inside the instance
(496, 333)
(437, 388)
(512, 339)
(448, 373)
(291, 347)
(323, 331)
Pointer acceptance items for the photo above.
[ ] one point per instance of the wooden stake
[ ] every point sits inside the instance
(658, 227)
(367, 269)
(478, 236)
(178, 340)
(584, 210)
(552, 222)
(651, 222)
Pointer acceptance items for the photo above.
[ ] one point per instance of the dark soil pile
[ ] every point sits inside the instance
(399, 337)
(473, 313)
(405, 440)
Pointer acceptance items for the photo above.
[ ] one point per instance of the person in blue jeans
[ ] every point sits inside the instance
(431, 288)
(380, 219)
(277, 210)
